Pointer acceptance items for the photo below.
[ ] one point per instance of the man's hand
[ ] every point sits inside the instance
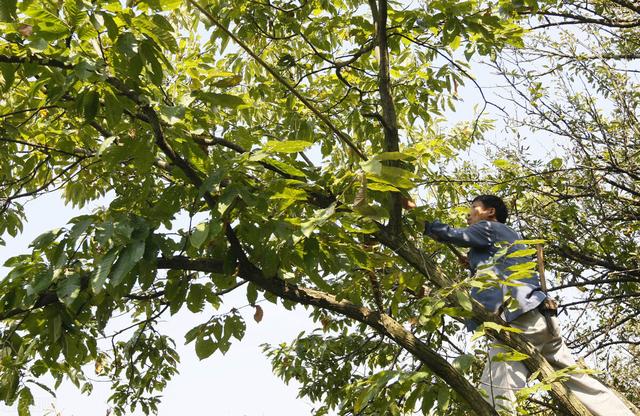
(407, 203)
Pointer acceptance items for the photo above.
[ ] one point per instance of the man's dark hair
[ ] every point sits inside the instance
(492, 201)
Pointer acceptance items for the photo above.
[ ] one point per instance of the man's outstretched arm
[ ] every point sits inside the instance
(477, 235)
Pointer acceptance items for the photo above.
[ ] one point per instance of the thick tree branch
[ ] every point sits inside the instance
(379, 321)
(389, 116)
(536, 362)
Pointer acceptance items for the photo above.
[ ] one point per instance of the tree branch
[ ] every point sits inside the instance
(79, 152)
(629, 5)
(379, 321)
(35, 60)
(390, 124)
(578, 19)
(342, 136)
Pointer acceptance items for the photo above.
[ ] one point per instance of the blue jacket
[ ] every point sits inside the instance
(483, 238)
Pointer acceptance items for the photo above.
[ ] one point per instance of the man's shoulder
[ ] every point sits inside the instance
(498, 229)
(483, 224)
(504, 231)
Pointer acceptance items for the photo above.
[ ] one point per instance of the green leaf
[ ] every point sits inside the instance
(498, 327)
(114, 108)
(69, 289)
(364, 398)
(228, 82)
(172, 114)
(530, 242)
(49, 26)
(127, 259)
(45, 239)
(83, 70)
(396, 181)
(195, 299)
(522, 253)
(72, 12)
(522, 266)
(511, 355)
(25, 402)
(79, 228)
(205, 347)
(222, 100)
(556, 163)
(252, 293)
(392, 156)
(235, 327)
(199, 234)
(154, 68)
(40, 282)
(397, 177)
(321, 216)
(455, 43)
(411, 401)
(443, 400)
(164, 31)
(102, 270)
(285, 167)
(393, 173)
(381, 187)
(193, 333)
(170, 4)
(289, 196)
(502, 164)
(90, 104)
(286, 146)
(428, 400)
(464, 300)
(463, 362)
(217, 331)
(375, 212)
(106, 143)
(8, 74)
(372, 166)
(8, 10)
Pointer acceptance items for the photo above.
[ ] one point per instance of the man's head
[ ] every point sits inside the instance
(487, 208)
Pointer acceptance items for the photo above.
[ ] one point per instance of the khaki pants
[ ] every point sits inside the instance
(502, 379)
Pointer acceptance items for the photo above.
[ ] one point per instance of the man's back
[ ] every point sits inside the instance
(485, 238)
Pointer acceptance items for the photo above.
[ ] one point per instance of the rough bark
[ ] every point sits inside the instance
(389, 116)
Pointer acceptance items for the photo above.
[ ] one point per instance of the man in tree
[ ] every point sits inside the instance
(485, 235)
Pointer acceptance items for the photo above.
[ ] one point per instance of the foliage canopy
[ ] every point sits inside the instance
(297, 129)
